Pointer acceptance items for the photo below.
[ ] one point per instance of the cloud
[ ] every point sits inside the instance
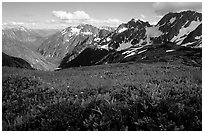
(51, 21)
(17, 23)
(162, 8)
(143, 18)
(66, 19)
(77, 15)
(108, 22)
(153, 23)
(94, 22)
(113, 21)
(81, 17)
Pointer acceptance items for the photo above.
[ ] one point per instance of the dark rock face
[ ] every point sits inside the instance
(14, 62)
(86, 58)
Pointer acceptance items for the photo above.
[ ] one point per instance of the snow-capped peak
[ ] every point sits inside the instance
(75, 30)
(22, 28)
(87, 33)
(122, 30)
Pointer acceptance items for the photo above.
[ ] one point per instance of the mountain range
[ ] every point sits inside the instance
(176, 38)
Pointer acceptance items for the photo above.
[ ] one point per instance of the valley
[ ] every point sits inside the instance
(134, 77)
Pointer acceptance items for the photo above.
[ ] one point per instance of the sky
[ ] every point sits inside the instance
(55, 15)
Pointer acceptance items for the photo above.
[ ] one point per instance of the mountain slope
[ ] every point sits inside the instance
(18, 49)
(22, 43)
(45, 32)
(173, 27)
(131, 40)
(126, 35)
(87, 57)
(14, 62)
(176, 26)
(28, 37)
(194, 38)
(70, 42)
(166, 52)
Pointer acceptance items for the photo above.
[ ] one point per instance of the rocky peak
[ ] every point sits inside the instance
(176, 26)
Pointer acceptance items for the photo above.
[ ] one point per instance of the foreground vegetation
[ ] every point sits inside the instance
(108, 97)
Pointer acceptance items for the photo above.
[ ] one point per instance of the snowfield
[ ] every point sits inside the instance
(184, 31)
(122, 30)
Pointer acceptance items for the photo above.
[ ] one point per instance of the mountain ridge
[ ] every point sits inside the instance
(74, 42)
(136, 33)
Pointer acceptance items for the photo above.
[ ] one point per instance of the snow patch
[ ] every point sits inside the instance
(152, 32)
(142, 51)
(36, 60)
(132, 50)
(127, 52)
(172, 20)
(122, 30)
(198, 37)
(87, 33)
(186, 44)
(171, 50)
(58, 69)
(184, 31)
(133, 53)
(108, 39)
(124, 46)
(143, 57)
(97, 39)
(104, 47)
(22, 29)
(75, 30)
(63, 31)
(162, 24)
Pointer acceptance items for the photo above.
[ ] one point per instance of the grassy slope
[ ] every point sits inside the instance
(108, 97)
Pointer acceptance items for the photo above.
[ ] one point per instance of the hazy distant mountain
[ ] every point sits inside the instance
(108, 28)
(22, 42)
(45, 32)
(28, 37)
(32, 38)
(18, 49)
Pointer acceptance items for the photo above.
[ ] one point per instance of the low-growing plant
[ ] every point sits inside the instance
(161, 103)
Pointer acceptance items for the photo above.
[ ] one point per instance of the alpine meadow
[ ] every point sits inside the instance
(102, 66)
